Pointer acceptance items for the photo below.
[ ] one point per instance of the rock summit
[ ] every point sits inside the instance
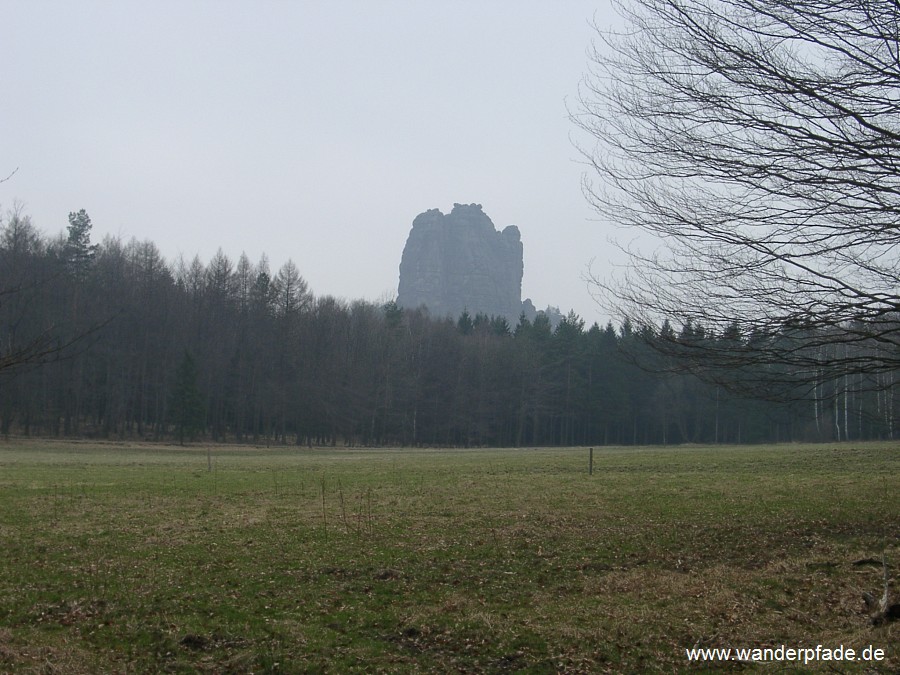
(459, 261)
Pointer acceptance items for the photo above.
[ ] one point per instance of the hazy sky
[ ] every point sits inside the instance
(310, 130)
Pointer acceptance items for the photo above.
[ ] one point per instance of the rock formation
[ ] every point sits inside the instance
(459, 261)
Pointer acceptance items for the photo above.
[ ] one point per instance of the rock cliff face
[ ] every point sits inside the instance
(460, 261)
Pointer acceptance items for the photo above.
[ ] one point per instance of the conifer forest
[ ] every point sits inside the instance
(112, 341)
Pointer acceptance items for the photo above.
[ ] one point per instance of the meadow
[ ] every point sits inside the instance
(142, 558)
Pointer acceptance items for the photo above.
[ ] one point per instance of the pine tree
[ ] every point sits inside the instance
(79, 252)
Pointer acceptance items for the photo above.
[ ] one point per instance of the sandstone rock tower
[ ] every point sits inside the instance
(460, 261)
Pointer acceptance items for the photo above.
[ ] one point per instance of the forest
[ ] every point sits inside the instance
(111, 341)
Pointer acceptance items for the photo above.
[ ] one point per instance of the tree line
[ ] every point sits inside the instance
(115, 342)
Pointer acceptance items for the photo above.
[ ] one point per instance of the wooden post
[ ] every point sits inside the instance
(591, 462)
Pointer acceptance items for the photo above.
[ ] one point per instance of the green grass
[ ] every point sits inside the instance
(118, 558)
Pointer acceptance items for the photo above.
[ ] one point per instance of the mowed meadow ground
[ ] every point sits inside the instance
(126, 558)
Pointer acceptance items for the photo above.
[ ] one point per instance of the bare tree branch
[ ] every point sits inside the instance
(755, 145)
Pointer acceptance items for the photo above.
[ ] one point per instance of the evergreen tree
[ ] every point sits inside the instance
(500, 326)
(187, 401)
(79, 252)
(464, 324)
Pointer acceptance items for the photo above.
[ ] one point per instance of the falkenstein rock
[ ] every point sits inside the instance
(459, 261)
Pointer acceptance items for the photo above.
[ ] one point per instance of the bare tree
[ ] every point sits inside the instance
(755, 146)
(29, 335)
(21, 341)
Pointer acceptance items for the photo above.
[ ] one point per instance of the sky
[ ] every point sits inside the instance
(307, 130)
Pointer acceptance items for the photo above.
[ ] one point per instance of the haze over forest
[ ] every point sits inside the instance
(234, 350)
(774, 209)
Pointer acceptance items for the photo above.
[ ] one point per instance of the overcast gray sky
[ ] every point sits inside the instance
(308, 130)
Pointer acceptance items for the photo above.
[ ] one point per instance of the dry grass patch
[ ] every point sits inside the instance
(289, 560)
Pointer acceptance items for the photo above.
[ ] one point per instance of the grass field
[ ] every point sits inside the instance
(118, 558)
